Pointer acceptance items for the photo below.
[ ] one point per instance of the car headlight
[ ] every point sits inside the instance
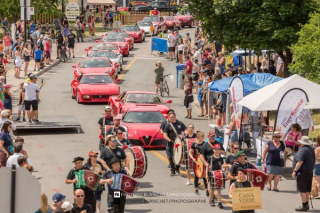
(86, 96)
(123, 45)
(138, 33)
(78, 72)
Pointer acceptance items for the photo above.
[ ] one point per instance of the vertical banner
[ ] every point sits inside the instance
(289, 108)
(236, 93)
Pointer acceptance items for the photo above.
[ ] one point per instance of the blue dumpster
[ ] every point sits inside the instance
(179, 67)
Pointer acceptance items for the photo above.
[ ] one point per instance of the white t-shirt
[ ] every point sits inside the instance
(171, 40)
(180, 47)
(13, 160)
(31, 91)
(279, 62)
(197, 55)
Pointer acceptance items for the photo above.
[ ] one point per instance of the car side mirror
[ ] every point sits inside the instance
(75, 83)
(116, 81)
(116, 65)
(74, 66)
(168, 102)
(117, 99)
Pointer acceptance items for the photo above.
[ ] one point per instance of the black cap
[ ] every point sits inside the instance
(33, 77)
(169, 110)
(114, 160)
(77, 159)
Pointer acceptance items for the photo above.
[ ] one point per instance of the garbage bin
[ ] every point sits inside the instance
(181, 79)
(178, 68)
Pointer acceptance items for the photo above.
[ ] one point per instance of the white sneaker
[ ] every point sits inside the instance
(188, 183)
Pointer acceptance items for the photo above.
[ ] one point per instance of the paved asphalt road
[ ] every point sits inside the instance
(52, 152)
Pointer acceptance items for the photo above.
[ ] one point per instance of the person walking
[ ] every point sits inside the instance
(78, 28)
(71, 38)
(159, 74)
(275, 152)
(18, 62)
(171, 45)
(303, 164)
(7, 45)
(26, 53)
(79, 205)
(188, 98)
(31, 98)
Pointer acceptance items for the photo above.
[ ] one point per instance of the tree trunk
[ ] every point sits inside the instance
(287, 59)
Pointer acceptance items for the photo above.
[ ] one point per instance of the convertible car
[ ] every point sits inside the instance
(96, 65)
(104, 46)
(117, 39)
(137, 99)
(147, 27)
(129, 39)
(108, 54)
(94, 87)
(135, 32)
(143, 127)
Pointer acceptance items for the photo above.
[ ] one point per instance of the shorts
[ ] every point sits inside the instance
(171, 49)
(195, 77)
(234, 136)
(33, 103)
(180, 52)
(200, 103)
(27, 58)
(59, 46)
(8, 48)
(223, 108)
(71, 45)
(21, 108)
(37, 60)
(111, 20)
(48, 55)
(304, 181)
(98, 195)
(275, 170)
(316, 170)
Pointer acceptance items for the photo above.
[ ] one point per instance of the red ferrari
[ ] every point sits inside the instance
(136, 99)
(94, 87)
(125, 35)
(143, 127)
(135, 32)
(104, 46)
(186, 19)
(119, 41)
(172, 22)
(96, 65)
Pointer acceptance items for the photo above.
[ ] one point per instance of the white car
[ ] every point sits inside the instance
(115, 58)
(148, 28)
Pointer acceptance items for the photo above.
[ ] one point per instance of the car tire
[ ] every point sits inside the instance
(144, 37)
(77, 98)
(72, 94)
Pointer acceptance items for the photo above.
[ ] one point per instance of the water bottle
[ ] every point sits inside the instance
(258, 161)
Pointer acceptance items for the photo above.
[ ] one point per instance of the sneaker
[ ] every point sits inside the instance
(17, 119)
(37, 122)
(302, 208)
(196, 192)
(172, 173)
(188, 183)
(211, 203)
(24, 120)
(29, 122)
(177, 171)
(220, 205)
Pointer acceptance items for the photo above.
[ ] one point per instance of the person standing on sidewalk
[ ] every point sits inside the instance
(20, 105)
(71, 40)
(79, 31)
(31, 98)
(7, 44)
(47, 48)
(27, 53)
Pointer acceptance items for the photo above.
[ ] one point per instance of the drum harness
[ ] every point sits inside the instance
(122, 161)
(177, 135)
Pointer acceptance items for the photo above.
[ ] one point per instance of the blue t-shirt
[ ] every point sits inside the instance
(307, 155)
(7, 141)
(5, 23)
(111, 15)
(37, 54)
(31, 28)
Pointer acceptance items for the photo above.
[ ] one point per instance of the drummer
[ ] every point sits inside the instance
(231, 158)
(122, 141)
(194, 150)
(107, 119)
(241, 163)
(97, 167)
(189, 134)
(71, 178)
(116, 126)
(108, 178)
(164, 123)
(173, 129)
(216, 162)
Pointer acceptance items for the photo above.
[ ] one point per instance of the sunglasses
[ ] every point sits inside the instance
(191, 127)
(235, 148)
(119, 133)
(94, 156)
(114, 141)
(80, 195)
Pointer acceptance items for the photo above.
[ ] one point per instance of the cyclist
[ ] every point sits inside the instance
(60, 42)
(159, 74)
(71, 40)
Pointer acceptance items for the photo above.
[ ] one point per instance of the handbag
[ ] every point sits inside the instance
(190, 98)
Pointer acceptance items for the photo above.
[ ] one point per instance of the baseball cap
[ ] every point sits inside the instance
(57, 197)
(187, 33)
(114, 160)
(7, 86)
(93, 153)
(41, 36)
(33, 77)
(239, 153)
(107, 107)
(217, 146)
(67, 206)
(28, 80)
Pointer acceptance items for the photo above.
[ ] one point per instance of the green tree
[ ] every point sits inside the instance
(254, 24)
(306, 51)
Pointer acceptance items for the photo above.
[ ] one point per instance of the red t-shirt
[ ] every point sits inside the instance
(47, 46)
(189, 64)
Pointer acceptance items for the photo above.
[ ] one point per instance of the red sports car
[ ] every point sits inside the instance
(125, 35)
(96, 65)
(136, 99)
(172, 22)
(104, 46)
(135, 32)
(119, 40)
(94, 87)
(186, 19)
(143, 127)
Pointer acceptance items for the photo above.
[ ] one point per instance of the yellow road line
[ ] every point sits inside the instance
(10, 70)
(164, 159)
(126, 68)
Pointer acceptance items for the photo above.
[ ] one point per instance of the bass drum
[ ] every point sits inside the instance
(178, 151)
(138, 162)
(199, 168)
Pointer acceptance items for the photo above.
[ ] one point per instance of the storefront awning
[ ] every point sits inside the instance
(101, 2)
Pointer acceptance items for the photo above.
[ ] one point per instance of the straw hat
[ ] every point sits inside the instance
(305, 141)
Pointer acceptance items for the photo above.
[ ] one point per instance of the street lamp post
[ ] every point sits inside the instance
(169, 7)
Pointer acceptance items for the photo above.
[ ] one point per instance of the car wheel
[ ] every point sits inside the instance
(191, 25)
(179, 28)
(144, 37)
(77, 97)
(72, 94)
(182, 26)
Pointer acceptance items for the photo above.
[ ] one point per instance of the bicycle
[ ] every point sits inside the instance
(63, 54)
(163, 87)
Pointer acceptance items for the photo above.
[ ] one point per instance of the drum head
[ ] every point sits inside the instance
(199, 167)
(177, 151)
(132, 161)
(145, 162)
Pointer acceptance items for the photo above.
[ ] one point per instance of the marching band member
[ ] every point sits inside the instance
(163, 125)
(108, 178)
(241, 182)
(116, 125)
(241, 162)
(194, 150)
(189, 134)
(97, 167)
(107, 119)
(89, 194)
(216, 162)
(231, 158)
(173, 129)
(122, 141)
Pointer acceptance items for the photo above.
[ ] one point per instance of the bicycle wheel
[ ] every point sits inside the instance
(64, 57)
(166, 88)
(161, 89)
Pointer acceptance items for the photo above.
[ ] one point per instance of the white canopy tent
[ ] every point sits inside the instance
(269, 97)
(101, 2)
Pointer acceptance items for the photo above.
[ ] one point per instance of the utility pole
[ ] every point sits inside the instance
(169, 6)
(25, 20)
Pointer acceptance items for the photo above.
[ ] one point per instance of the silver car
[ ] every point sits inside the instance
(115, 58)
(148, 27)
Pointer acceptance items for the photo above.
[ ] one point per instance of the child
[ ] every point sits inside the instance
(216, 163)
(47, 47)
(21, 140)
(37, 58)
(7, 98)
(21, 107)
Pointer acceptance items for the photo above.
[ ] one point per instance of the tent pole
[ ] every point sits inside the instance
(245, 60)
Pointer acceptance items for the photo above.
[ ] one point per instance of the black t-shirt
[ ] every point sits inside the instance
(107, 121)
(109, 175)
(59, 39)
(107, 154)
(273, 70)
(112, 130)
(163, 124)
(207, 150)
(231, 159)
(192, 136)
(196, 147)
(216, 163)
(235, 166)
(71, 38)
(85, 208)
(179, 127)
(206, 61)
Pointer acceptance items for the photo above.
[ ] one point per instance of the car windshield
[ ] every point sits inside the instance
(143, 99)
(144, 24)
(143, 117)
(104, 47)
(96, 79)
(95, 63)
(113, 38)
(168, 17)
(123, 34)
(131, 28)
(184, 14)
(105, 54)
(151, 18)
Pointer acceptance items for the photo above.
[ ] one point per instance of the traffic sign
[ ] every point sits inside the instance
(27, 193)
(31, 10)
(72, 11)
